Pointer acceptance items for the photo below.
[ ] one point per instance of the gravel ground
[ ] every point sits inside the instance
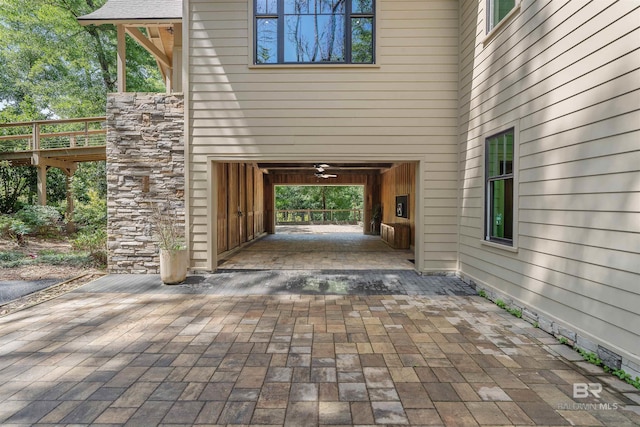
(46, 294)
(14, 289)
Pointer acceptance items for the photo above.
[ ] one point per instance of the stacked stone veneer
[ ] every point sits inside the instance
(145, 166)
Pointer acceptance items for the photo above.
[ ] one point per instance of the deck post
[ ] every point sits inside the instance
(71, 226)
(42, 185)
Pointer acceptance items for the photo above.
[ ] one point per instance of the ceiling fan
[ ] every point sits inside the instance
(321, 168)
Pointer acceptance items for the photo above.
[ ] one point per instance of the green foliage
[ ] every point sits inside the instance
(56, 186)
(40, 219)
(58, 258)
(589, 356)
(319, 197)
(12, 259)
(515, 312)
(53, 66)
(482, 293)
(620, 373)
(92, 214)
(17, 185)
(89, 176)
(595, 360)
(501, 303)
(10, 256)
(536, 325)
(94, 242)
(563, 340)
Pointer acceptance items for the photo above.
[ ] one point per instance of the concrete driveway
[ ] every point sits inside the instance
(242, 348)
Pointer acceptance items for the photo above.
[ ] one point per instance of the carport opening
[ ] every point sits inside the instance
(255, 201)
(319, 208)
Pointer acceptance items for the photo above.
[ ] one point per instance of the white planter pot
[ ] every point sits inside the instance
(173, 266)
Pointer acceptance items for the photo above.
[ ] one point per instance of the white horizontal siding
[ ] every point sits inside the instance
(404, 108)
(568, 73)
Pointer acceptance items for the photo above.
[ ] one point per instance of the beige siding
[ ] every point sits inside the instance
(403, 109)
(567, 74)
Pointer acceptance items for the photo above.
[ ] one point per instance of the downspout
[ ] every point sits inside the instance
(186, 93)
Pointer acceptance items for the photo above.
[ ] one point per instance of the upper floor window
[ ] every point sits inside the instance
(497, 10)
(314, 31)
(499, 155)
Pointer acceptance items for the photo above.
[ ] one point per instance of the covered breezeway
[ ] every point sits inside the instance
(243, 220)
(319, 247)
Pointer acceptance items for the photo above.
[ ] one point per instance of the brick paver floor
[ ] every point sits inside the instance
(335, 349)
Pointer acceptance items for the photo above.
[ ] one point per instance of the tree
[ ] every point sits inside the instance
(13, 183)
(52, 67)
(319, 197)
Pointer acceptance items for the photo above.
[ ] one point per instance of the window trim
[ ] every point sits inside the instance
(505, 244)
(491, 32)
(348, 15)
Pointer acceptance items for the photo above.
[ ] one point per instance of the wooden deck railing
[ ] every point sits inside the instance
(318, 216)
(53, 134)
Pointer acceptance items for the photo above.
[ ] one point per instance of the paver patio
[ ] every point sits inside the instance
(128, 350)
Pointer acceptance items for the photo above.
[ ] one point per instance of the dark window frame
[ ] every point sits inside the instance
(349, 15)
(506, 174)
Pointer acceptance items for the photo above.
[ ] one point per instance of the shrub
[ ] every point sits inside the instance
(13, 228)
(57, 258)
(91, 214)
(94, 242)
(40, 219)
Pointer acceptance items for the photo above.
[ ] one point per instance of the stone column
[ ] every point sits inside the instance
(145, 165)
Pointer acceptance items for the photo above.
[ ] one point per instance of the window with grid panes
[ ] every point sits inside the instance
(314, 31)
(499, 188)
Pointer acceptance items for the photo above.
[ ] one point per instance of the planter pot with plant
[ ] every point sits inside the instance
(174, 256)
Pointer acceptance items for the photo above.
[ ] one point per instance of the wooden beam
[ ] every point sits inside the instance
(42, 185)
(40, 161)
(122, 60)
(149, 46)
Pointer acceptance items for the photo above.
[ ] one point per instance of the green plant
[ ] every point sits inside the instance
(482, 293)
(94, 242)
(12, 259)
(40, 219)
(56, 258)
(563, 340)
(536, 325)
(620, 373)
(91, 214)
(515, 312)
(19, 230)
(501, 303)
(589, 357)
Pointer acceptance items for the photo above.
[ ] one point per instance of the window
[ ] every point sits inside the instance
(314, 31)
(497, 10)
(499, 188)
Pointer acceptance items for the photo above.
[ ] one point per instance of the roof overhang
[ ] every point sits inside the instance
(141, 12)
(162, 21)
(135, 22)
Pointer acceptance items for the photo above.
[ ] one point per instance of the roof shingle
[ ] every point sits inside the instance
(136, 10)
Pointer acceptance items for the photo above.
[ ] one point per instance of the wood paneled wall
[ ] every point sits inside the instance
(398, 181)
(240, 204)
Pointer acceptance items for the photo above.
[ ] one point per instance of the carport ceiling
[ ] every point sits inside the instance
(334, 168)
